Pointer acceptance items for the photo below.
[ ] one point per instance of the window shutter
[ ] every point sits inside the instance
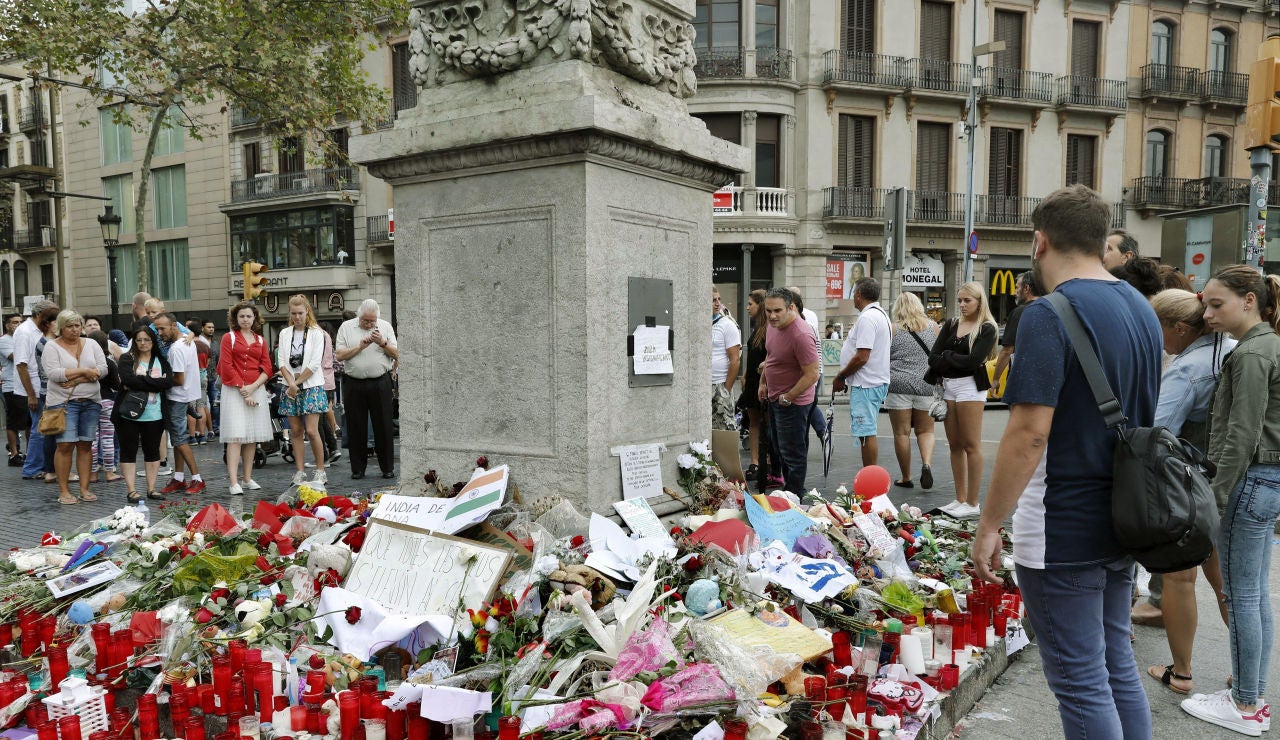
(856, 152)
(1005, 171)
(1008, 28)
(859, 29)
(1084, 48)
(404, 91)
(933, 149)
(935, 30)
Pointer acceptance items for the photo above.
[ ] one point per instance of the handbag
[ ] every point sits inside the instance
(53, 421)
(937, 409)
(1162, 509)
(132, 404)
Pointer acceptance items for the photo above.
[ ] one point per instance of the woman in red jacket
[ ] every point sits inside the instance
(244, 365)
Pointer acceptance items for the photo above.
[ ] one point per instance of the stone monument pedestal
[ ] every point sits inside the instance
(525, 202)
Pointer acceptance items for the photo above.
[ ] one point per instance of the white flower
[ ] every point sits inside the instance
(687, 461)
(468, 554)
(702, 448)
(842, 491)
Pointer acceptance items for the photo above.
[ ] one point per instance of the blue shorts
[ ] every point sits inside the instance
(864, 409)
(82, 421)
(175, 422)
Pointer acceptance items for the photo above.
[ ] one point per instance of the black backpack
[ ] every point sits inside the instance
(1163, 512)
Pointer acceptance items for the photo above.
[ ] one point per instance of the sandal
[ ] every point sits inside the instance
(134, 497)
(68, 501)
(156, 496)
(86, 496)
(113, 480)
(904, 484)
(1167, 678)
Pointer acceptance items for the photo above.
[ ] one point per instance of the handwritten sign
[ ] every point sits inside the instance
(482, 494)
(638, 515)
(408, 570)
(641, 470)
(521, 558)
(652, 350)
(774, 629)
(784, 526)
(878, 537)
(416, 511)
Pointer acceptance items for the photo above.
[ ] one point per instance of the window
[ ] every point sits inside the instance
(1084, 49)
(291, 156)
(168, 271)
(767, 24)
(117, 138)
(39, 213)
(120, 190)
(404, 92)
(1216, 162)
(172, 137)
(1157, 153)
(251, 158)
(727, 126)
(46, 279)
(935, 30)
(1004, 175)
(1162, 43)
(304, 237)
(856, 152)
(337, 156)
(715, 23)
(1220, 50)
(933, 157)
(39, 153)
(19, 282)
(6, 286)
(858, 34)
(1081, 160)
(169, 197)
(768, 168)
(1008, 28)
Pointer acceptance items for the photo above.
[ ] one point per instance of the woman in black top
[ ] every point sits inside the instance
(756, 416)
(959, 359)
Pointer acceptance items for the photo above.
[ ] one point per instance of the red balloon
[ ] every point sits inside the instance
(871, 481)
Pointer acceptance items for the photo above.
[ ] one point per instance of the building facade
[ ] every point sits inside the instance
(844, 101)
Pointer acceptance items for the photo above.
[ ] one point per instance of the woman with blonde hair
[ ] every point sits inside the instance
(299, 355)
(74, 365)
(959, 359)
(909, 396)
(1186, 392)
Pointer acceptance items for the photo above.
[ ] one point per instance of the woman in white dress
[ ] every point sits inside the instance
(244, 365)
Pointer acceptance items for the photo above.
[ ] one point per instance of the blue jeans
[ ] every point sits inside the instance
(175, 422)
(1248, 526)
(1096, 681)
(790, 428)
(82, 421)
(34, 464)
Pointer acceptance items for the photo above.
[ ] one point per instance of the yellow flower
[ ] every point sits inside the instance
(309, 495)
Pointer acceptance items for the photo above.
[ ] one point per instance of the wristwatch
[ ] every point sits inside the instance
(782, 400)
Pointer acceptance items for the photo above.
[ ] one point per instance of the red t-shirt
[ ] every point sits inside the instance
(790, 349)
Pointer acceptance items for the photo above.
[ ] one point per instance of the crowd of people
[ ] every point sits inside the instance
(86, 402)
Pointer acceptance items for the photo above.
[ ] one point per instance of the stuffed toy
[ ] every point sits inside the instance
(250, 613)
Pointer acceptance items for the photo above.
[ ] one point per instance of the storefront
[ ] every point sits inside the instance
(844, 268)
(925, 275)
(1002, 284)
(729, 262)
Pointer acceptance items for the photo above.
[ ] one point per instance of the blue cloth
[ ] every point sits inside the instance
(1248, 528)
(1096, 680)
(119, 338)
(34, 464)
(1064, 514)
(789, 426)
(864, 409)
(82, 421)
(1187, 385)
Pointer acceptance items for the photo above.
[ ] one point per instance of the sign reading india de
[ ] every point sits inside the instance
(922, 272)
(641, 470)
(482, 494)
(653, 350)
(407, 570)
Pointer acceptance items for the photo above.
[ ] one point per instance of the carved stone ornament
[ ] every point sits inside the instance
(454, 40)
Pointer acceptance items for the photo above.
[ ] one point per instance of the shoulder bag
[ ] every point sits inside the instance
(1162, 509)
(937, 409)
(53, 421)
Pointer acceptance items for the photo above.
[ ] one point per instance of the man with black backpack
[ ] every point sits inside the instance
(1056, 462)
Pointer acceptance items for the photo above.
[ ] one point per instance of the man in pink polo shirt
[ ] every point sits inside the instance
(788, 384)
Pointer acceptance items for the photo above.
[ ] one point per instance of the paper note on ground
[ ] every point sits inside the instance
(783, 525)
(638, 515)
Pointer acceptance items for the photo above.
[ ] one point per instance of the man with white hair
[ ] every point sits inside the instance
(367, 349)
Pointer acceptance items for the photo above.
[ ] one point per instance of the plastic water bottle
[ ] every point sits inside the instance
(144, 511)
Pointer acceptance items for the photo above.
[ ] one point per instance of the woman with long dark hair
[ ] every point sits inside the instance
(145, 375)
(757, 417)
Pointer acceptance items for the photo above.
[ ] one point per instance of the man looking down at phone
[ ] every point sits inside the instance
(367, 348)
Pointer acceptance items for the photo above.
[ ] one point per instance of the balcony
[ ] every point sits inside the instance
(1016, 85)
(293, 184)
(767, 202)
(1181, 192)
(1117, 215)
(1081, 91)
(378, 230)
(31, 117)
(241, 118)
(926, 207)
(1224, 88)
(861, 70)
(738, 62)
(846, 202)
(720, 63)
(399, 102)
(1004, 210)
(39, 239)
(1165, 81)
(774, 64)
(938, 76)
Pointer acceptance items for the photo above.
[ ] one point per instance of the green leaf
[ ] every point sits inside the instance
(278, 619)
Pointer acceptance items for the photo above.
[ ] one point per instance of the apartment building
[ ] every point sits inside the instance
(844, 101)
(31, 222)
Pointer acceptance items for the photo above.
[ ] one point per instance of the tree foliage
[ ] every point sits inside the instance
(293, 64)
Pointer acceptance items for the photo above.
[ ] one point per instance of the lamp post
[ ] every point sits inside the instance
(109, 222)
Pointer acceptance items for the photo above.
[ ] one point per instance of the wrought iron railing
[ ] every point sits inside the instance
(30, 116)
(939, 75)
(865, 69)
(848, 202)
(1092, 92)
(719, 62)
(1184, 192)
(295, 183)
(936, 207)
(1005, 210)
(1170, 81)
(1117, 215)
(774, 64)
(1016, 84)
(241, 118)
(377, 229)
(1225, 87)
(38, 239)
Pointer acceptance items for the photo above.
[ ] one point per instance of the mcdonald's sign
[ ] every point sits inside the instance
(1003, 282)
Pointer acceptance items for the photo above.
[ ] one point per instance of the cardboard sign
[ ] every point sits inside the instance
(482, 494)
(521, 558)
(641, 470)
(407, 570)
(417, 511)
(773, 629)
(878, 537)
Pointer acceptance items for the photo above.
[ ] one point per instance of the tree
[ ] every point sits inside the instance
(293, 64)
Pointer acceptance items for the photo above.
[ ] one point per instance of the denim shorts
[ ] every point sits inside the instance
(175, 422)
(864, 408)
(82, 421)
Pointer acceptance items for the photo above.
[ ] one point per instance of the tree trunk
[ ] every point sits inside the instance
(140, 206)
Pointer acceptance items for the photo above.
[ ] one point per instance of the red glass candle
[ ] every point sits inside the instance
(100, 735)
(395, 724)
(810, 730)
(120, 723)
(207, 698)
(1001, 622)
(368, 698)
(235, 650)
(509, 728)
(315, 721)
(45, 627)
(960, 631)
(841, 653)
(222, 682)
(229, 735)
(891, 643)
(69, 727)
(235, 699)
(815, 689)
(857, 697)
(35, 714)
(348, 713)
(949, 676)
(195, 728)
(264, 686)
(6, 634)
(315, 682)
(27, 624)
(121, 651)
(836, 695)
(101, 633)
(58, 666)
(47, 730)
(248, 674)
(419, 726)
(179, 710)
(734, 729)
(148, 717)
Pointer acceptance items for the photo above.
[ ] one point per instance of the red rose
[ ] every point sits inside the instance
(353, 614)
(219, 593)
(676, 531)
(264, 541)
(457, 487)
(430, 478)
(482, 462)
(280, 599)
(577, 541)
(204, 616)
(693, 564)
(328, 578)
(316, 662)
(262, 564)
(355, 538)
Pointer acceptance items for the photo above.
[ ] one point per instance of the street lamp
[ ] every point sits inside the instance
(109, 222)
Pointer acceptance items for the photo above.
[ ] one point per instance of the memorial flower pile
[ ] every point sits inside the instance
(468, 607)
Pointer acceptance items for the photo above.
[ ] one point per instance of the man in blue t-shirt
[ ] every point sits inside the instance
(1055, 465)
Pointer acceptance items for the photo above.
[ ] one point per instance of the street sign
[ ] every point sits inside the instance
(973, 242)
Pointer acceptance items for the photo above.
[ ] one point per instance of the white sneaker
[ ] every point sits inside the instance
(320, 479)
(1221, 711)
(166, 470)
(966, 511)
(236, 489)
(299, 478)
(946, 508)
(252, 485)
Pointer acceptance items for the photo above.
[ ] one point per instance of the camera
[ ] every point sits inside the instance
(295, 361)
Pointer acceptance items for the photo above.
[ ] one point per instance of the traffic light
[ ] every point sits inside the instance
(255, 282)
(1262, 120)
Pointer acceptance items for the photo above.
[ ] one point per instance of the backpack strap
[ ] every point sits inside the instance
(1112, 413)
